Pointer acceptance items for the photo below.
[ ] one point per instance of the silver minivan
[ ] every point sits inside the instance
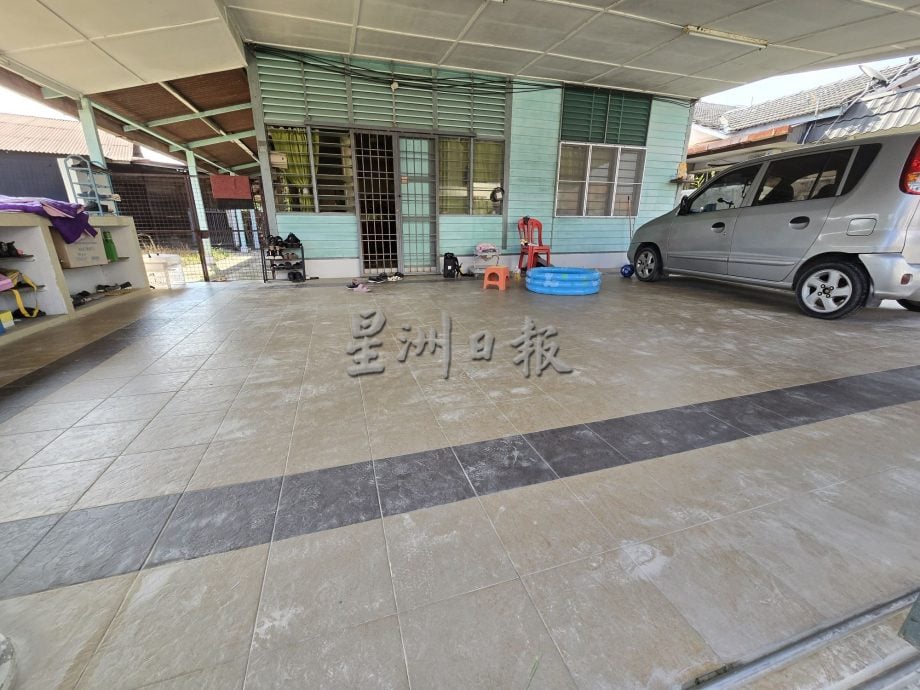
(837, 223)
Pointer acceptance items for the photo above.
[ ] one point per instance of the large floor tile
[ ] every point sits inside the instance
(828, 557)
(502, 464)
(317, 446)
(198, 400)
(326, 499)
(34, 491)
(55, 633)
(91, 544)
(368, 655)
(88, 443)
(180, 618)
(19, 537)
(126, 409)
(632, 505)
(317, 584)
(615, 629)
(142, 475)
(720, 589)
(218, 520)
(226, 676)
(574, 450)
(545, 525)
(241, 460)
(495, 639)
(19, 448)
(420, 480)
(45, 417)
(174, 432)
(439, 552)
(654, 434)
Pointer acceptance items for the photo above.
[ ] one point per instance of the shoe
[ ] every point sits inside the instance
(353, 285)
(298, 277)
(291, 240)
(8, 251)
(362, 288)
(297, 264)
(382, 278)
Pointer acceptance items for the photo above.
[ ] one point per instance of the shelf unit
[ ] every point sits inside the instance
(32, 235)
(91, 185)
(273, 265)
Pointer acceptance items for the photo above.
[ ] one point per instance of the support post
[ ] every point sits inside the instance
(91, 132)
(200, 214)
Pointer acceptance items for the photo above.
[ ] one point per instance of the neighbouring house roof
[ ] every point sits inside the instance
(30, 134)
(883, 112)
(810, 101)
(708, 114)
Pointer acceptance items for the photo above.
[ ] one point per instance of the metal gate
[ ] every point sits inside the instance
(163, 208)
(397, 202)
(418, 204)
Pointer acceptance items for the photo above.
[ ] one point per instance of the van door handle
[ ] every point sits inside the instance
(718, 227)
(799, 222)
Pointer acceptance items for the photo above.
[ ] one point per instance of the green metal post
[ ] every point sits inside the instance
(90, 132)
(198, 201)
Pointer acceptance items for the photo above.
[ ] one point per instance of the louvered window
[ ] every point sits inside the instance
(323, 181)
(602, 116)
(297, 93)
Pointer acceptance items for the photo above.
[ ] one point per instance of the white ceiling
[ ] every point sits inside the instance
(101, 45)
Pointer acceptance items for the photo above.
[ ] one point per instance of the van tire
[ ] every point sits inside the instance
(815, 287)
(648, 264)
(909, 305)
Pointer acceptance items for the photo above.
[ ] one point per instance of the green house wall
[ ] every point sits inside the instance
(532, 144)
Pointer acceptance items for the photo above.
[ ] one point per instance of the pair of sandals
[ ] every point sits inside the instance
(355, 286)
(288, 264)
(8, 251)
(384, 278)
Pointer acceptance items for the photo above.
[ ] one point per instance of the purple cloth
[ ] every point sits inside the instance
(68, 219)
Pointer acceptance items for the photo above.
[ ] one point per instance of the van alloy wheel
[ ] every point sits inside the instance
(648, 265)
(832, 290)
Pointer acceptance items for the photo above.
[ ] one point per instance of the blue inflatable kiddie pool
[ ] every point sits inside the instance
(555, 280)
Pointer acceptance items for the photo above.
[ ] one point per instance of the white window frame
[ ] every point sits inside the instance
(584, 199)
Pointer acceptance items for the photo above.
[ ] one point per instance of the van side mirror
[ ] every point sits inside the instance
(684, 208)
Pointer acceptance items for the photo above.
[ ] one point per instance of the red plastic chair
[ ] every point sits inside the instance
(531, 248)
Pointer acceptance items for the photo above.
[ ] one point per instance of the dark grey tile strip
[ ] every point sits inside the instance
(217, 520)
(100, 542)
(420, 480)
(91, 544)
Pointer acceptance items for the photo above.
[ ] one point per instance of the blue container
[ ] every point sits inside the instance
(556, 280)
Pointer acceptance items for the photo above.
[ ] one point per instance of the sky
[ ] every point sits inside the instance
(774, 87)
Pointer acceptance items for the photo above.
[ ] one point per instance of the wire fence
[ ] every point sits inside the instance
(162, 206)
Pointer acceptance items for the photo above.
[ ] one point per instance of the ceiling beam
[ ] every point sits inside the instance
(198, 143)
(198, 115)
(245, 166)
(173, 146)
(207, 121)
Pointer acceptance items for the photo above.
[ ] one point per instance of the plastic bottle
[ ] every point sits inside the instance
(111, 253)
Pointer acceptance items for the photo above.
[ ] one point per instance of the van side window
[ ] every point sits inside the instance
(815, 176)
(725, 192)
(864, 158)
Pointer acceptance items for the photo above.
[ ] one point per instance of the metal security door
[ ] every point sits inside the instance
(418, 205)
(378, 212)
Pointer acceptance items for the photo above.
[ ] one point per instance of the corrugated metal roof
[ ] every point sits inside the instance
(31, 134)
(884, 112)
(819, 99)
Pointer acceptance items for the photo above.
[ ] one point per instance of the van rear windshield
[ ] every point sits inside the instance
(864, 157)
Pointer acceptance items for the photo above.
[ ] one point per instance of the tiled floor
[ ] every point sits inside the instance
(193, 493)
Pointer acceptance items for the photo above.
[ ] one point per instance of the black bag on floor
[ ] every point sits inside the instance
(451, 265)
